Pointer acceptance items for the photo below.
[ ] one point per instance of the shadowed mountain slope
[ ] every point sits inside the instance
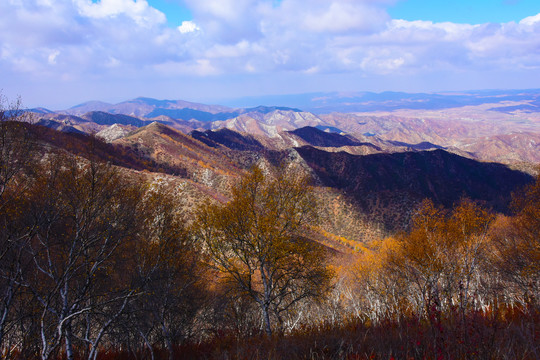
(228, 138)
(394, 183)
(317, 137)
(104, 118)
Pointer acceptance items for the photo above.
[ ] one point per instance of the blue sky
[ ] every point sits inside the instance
(176, 11)
(465, 11)
(459, 11)
(57, 53)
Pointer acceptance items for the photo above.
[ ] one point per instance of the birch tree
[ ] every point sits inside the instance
(85, 216)
(255, 242)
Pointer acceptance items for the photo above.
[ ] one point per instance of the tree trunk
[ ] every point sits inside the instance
(168, 341)
(69, 345)
(266, 313)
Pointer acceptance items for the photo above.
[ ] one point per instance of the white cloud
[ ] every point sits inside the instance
(138, 10)
(123, 39)
(188, 27)
(344, 16)
(531, 20)
(52, 57)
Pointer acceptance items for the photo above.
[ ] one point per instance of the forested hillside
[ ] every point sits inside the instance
(164, 245)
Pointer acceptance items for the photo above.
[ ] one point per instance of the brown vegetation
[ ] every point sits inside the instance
(98, 265)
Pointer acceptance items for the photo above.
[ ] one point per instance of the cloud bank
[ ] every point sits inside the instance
(84, 40)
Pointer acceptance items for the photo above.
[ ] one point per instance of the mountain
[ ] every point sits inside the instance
(512, 148)
(424, 145)
(114, 132)
(87, 107)
(328, 102)
(360, 197)
(476, 132)
(495, 125)
(269, 124)
(316, 137)
(169, 147)
(371, 168)
(141, 107)
(388, 186)
(59, 126)
(174, 109)
(104, 118)
(228, 138)
(39, 110)
(88, 146)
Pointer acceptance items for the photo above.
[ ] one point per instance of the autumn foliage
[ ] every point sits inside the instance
(96, 264)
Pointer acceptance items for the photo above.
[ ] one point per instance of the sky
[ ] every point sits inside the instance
(59, 53)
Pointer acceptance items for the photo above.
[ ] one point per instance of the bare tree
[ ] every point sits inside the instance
(86, 217)
(168, 272)
(17, 161)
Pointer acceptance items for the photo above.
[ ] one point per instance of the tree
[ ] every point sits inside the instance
(442, 253)
(255, 243)
(17, 162)
(85, 216)
(16, 144)
(381, 291)
(517, 252)
(167, 269)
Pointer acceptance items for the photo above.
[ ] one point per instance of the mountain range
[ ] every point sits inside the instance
(501, 126)
(370, 169)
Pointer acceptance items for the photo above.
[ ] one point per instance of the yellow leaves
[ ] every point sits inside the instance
(255, 240)
(436, 259)
(374, 258)
(516, 249)
(439, 239)
(355, 246)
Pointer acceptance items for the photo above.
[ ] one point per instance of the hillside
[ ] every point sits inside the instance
(165, 145)
(388, 186)
(371, 166)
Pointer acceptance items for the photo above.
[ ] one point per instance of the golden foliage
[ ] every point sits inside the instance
(256, 241)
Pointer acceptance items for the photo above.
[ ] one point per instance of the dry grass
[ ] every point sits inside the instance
(507, 333)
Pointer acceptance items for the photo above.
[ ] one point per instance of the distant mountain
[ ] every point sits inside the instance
(58, 126)
(484, 134)
(424, 145)
(494, 125)
(103, 118)
(532, 106)
(114, 132)
(269, 124)
(175, 109)
(39, 110)
(330, 129)
(328, 102)
(87, 107)
(506, 148)
(141, 107)
(188, 114)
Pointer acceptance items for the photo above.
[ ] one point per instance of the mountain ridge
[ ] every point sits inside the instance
(480, 131)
